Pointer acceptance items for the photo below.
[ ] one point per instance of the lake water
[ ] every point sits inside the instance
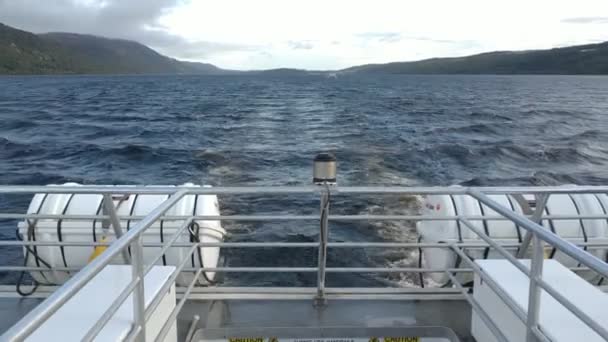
(263, 130)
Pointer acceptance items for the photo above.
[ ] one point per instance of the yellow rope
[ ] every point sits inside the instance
(98, 249)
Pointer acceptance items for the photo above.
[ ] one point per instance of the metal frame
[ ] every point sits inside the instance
(133, 240)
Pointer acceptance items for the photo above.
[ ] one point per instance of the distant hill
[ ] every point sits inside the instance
(23, 52)
(284, 72)
(584, 59)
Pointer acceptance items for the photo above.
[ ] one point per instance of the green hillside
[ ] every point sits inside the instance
(584, 59)
(23, 52)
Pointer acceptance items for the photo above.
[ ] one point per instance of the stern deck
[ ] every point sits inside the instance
(319, 311)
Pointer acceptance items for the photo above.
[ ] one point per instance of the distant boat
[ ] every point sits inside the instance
(332, 75)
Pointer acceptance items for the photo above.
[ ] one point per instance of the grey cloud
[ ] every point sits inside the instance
(112, 18)
(301, 45)
(127, 19)
(586, 20)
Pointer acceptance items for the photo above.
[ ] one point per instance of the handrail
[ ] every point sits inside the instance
(132, 239)
(155, 190)
(589, 244)
(251, 218)
(243, 190)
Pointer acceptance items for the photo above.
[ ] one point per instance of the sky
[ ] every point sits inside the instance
(319, 34)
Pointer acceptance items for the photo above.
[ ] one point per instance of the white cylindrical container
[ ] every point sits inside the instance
(505, 231)
(443, 231)
(87, 231)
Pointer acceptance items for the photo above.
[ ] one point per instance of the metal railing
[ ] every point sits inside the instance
(133, 240)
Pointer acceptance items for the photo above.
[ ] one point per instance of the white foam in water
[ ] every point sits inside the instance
(397, 231)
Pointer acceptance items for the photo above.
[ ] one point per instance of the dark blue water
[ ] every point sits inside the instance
(255, 130)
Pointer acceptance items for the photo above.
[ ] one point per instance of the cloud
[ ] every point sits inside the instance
(383, 37)
(301, 44)
(397, 37)
(586, 20)
(127, 19)
(203, 49)
(433, 40)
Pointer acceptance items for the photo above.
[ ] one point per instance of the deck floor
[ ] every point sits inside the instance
(239, 316)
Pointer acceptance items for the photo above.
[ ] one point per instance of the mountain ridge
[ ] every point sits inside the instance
(23, 52)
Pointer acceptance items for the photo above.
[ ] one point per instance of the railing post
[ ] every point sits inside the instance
(137, 272)
(320, 299)
(536, 270)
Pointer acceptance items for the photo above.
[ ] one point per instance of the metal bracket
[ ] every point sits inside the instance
(108, 206)
(537, 214)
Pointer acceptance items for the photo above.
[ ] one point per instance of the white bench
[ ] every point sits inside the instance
(555, 321)
(74, 319)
